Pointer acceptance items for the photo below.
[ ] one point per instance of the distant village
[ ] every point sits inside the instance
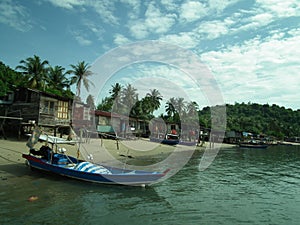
(21, 110)
(39, 94)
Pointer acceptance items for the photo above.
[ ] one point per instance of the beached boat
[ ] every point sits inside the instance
(60, 163)
(170, 139)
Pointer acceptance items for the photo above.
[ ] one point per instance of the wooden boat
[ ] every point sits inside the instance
(59, 163)
(253, 144)
(170, 139)
(187, 143)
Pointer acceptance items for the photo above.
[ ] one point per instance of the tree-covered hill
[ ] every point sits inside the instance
(271, 120)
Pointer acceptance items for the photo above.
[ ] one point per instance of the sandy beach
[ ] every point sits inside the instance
(11, 150)
(13, 165)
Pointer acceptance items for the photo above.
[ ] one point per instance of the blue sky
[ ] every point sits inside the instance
(251, 47)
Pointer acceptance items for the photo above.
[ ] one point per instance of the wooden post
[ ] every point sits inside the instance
(117, 140)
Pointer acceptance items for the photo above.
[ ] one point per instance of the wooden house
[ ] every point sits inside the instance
(41, 108)
(112, 124)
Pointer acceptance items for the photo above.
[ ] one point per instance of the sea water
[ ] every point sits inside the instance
(241, 186)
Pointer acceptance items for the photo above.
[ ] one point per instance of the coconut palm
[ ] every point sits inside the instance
(90, 102)
(129, 97)
(154, 99)
(81, 73)
(180, 106)
(35, 70)
(57, 78)
(115, 93)
(170, 107)
(192, 108)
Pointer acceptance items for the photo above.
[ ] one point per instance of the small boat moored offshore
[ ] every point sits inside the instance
(253, 144)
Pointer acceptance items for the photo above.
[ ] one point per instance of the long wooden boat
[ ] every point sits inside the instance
(46, 159)
(82, 170)
(170, 139)
(250, 145)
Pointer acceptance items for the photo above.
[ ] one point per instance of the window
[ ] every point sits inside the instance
(48, 107)
(63, 109)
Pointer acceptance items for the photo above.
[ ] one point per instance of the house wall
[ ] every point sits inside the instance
(26, 105)
(44, 109)
(54, 111)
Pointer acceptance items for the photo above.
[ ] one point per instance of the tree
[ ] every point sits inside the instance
(90, 102)
(170, 107)
(81, 73)
(115, 93)
(57, 78)
(106, 104)
(10, 79)
(129, 97)
(35, 70)
(153, 98)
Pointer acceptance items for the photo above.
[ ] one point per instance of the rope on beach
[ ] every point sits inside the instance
(10, 150)
(12, 161)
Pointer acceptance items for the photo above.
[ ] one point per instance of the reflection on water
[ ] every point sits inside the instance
(242, 186)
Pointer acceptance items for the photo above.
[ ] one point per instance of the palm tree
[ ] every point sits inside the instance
(81, 73)
(115, 91)
(170, 107)
(35, 70)
(90, 101)
(57, 78)
(129, 96)
(115, 95)
(180, 106)
(154, 99)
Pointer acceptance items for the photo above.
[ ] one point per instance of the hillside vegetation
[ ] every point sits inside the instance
(271, 120)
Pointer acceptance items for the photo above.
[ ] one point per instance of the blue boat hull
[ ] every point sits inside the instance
(253, 146)
(165, 141)
(117, 176)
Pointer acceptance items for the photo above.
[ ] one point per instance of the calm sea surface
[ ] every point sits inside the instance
(242, 186)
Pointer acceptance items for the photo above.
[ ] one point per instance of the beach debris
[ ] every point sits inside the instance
(33, 198)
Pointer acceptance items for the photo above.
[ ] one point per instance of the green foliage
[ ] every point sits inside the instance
(259, 119)
(37, 74)
(10, 79)
(122, 99)
(81, 72)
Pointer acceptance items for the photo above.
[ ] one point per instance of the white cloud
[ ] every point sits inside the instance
(192, 11)
(120, 39)
(68, 4)
(80, 37)
(183, 39)
(82, 40)
(155, 22)
(281, 8)
(219, 5)
(158, 22)
(134, 7)
(15, 15)
(138, 29)
(170, 5)
(260, 70)
(158, 75)
(94, 27)
(212, 29)
(105, 9)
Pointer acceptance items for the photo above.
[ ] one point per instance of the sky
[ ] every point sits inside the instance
(251, 48)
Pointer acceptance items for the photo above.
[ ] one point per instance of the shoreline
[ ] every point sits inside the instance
(12, 164)
(11, 149)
